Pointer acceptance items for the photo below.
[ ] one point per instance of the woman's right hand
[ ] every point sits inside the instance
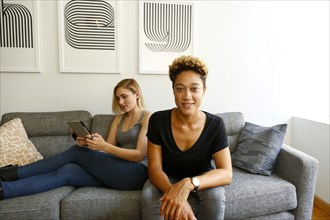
(174, 201)
(81, 141)
(187, 212)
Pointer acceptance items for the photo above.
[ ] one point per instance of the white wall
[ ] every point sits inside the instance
(313, 138)
(267, 59)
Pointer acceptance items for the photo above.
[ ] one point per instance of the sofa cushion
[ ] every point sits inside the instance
(275, 216)
(52, 145)
(101, 203)
(234, 123)
(15, 147)
(49, 131)
(252, 195)
(40, 206)
(48, 123)
(101, 124)
(258, 148)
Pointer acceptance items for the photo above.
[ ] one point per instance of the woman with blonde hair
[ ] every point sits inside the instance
(119, 162)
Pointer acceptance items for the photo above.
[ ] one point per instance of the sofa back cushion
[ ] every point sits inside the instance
(101, 124)
(51, 135)
(234, 123)
(49, 130)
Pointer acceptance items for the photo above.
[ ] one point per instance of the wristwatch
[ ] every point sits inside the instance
(195, 182)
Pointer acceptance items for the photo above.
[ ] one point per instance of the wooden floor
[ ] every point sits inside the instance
(318, 214)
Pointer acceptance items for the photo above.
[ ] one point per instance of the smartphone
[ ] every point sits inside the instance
(79, 129)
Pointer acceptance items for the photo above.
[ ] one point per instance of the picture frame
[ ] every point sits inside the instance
(19, 44)
(89, 36)
(166, 31)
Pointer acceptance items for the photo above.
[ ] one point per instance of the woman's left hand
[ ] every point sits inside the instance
(96, 142)
(175, 199)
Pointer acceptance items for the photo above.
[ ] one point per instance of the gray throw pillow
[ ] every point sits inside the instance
(258, 148)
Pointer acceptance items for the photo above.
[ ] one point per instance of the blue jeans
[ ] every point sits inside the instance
(77, 167)
(208, 204)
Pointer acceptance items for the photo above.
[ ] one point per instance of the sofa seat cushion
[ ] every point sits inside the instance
(275, 216)
(256, 195)
(101, 203)
(41, 206)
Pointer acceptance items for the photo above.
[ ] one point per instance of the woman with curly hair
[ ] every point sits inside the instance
(181, 144)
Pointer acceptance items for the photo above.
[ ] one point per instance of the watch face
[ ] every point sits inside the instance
(195, 182)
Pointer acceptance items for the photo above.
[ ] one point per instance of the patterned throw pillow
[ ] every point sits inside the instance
(258, 148)
(15, 147)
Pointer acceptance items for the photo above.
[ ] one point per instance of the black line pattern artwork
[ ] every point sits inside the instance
(89, 24)
(168, 26)
(16, 26)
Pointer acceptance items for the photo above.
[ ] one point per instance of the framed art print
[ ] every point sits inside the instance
(19, 43)
(89, 36)
(166, 31)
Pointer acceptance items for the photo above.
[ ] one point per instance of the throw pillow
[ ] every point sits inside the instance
(258, 148)
(15, 147)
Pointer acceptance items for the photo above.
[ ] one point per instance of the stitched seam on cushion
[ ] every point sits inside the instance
(267, 194)
(26, 210)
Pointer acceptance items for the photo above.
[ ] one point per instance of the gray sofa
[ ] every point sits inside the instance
(286, 194)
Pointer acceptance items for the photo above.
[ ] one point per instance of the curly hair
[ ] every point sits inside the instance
(133, 86)
(184, 63)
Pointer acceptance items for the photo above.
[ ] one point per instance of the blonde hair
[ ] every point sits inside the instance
(133, 86)
(184, 63)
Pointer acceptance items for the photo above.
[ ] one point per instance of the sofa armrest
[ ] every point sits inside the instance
(301, 170)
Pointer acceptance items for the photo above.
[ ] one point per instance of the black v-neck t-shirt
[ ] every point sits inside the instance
(197, 159)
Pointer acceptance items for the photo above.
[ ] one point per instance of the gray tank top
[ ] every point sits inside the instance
(128, 139)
